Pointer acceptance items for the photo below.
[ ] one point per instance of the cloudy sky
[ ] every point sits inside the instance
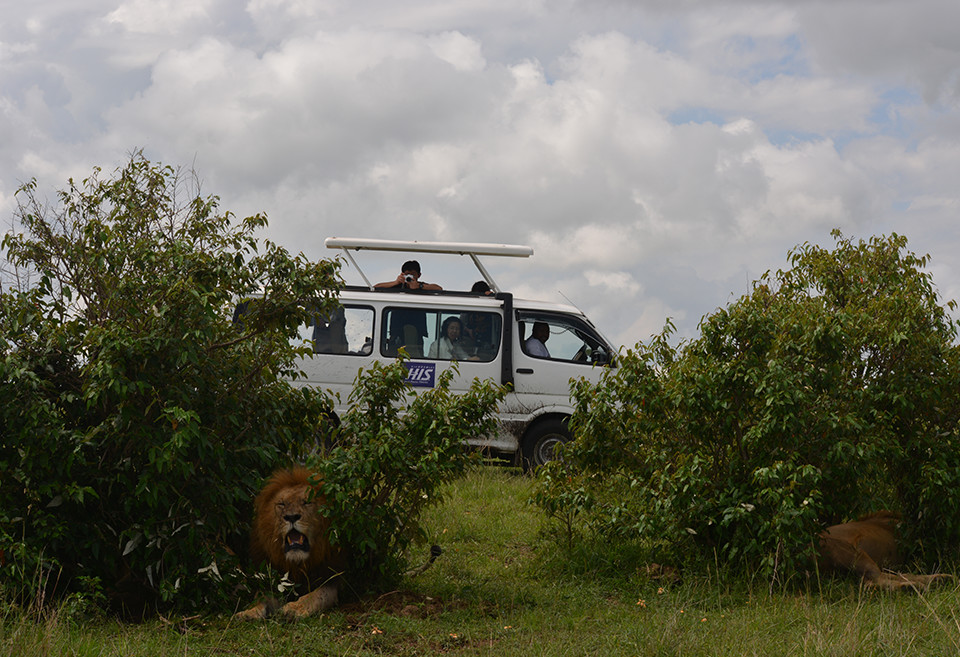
(657, 154)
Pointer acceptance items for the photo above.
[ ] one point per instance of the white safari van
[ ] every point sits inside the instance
(374, 324)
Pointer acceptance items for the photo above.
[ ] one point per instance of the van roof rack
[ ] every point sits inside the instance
(472, 249)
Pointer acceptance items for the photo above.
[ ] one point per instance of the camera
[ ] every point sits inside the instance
(408, 278)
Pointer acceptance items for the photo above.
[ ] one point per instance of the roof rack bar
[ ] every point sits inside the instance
(472, 249)
(483, 272)
(455, 248)
(357, 267)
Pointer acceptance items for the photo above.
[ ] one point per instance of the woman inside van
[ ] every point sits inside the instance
(449, 345)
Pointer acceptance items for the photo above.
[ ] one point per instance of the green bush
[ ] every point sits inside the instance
(826, 393)
(394, 451)
(137, 418)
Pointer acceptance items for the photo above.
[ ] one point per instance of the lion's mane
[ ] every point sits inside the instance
(289, 493)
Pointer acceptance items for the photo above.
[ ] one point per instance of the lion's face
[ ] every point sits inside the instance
(289, 530)
(297, 522)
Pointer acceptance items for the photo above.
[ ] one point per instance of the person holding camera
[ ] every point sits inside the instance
(409, 279)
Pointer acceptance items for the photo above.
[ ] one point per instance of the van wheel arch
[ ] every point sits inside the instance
(541, 438)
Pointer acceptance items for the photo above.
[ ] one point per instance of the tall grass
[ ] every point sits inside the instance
(501, 589)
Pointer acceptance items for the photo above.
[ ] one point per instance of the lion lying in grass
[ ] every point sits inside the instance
(868, 547)
(289, 533)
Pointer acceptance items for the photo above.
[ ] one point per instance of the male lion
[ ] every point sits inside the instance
(290, 533)
(868, 547)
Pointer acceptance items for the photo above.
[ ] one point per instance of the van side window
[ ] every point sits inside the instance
(481, 334)
(441, 334)
(404, 328)
(561, 337)
(347, 330)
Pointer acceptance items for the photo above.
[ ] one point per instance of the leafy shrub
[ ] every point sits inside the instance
(138, 418)
(826, 393)
(394, 451)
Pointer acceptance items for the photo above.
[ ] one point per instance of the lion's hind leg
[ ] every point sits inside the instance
(907, 582)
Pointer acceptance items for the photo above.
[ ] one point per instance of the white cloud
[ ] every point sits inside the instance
(461, 52)
(657, 155)
(893, 42)
(159, 16)
(617, 282)
(580, 247)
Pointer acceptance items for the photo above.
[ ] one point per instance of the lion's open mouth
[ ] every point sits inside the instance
(295, 541)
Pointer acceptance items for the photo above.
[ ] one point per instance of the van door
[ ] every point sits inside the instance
(550, 348)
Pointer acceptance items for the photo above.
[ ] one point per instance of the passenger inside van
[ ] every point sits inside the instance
(329, 333)
(449, 346)
(480, 335)
(536, 344)
(408, 328)
(481, 287)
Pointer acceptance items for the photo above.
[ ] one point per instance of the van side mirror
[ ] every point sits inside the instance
(598, 356)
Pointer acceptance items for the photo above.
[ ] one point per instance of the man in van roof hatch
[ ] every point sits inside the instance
(409, 279)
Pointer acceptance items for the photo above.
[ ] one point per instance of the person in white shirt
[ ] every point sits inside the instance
(448, 346)
(536, 344)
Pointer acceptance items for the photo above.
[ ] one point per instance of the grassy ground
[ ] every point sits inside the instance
(495, 592)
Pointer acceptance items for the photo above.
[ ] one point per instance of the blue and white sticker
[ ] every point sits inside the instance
(421, 375)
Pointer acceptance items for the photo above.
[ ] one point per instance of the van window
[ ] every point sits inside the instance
(441, 334)
(568, 338)
(347, 330)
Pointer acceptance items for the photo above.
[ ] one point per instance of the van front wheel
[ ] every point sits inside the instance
(541, 440)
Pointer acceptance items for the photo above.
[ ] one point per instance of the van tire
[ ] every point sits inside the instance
(540, 441)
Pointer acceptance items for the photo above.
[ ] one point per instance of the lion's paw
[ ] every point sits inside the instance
(312, 603)
(294, 611)
(259, 611)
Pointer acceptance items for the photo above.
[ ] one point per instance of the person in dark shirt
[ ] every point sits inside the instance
(408, 279)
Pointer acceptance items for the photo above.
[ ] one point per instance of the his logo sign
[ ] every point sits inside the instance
(421, 375)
